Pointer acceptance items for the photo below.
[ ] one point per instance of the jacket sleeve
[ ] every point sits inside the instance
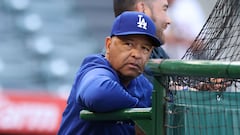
(99, 91)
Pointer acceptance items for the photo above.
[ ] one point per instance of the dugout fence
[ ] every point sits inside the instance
(186, 109)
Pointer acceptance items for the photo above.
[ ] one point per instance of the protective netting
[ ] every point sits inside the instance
(219, 37)
(207, 105)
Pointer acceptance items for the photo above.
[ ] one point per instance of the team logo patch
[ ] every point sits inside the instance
(141, 22)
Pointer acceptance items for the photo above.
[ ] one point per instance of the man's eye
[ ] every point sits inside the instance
(146, 49)
(129, 44)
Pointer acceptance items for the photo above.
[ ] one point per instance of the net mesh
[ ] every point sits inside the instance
(205, 105)
(219, 37)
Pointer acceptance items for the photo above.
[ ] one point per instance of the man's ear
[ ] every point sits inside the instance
(140, 6)
(143, 7)
(108, 42)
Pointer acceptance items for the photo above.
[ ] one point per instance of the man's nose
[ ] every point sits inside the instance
(169, 20)
(136, 52)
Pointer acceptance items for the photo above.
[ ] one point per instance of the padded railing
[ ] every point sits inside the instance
(151, 120)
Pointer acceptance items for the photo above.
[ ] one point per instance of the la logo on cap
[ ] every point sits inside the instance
(141, 22)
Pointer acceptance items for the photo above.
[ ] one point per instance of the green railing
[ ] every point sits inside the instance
(151, 120)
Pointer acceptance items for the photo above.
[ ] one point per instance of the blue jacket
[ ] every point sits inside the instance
(97, 88)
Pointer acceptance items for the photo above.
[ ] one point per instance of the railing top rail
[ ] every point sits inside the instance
(203, 68)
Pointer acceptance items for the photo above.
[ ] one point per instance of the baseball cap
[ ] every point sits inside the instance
(135, 23)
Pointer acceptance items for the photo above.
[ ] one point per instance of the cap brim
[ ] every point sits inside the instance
(155, 40)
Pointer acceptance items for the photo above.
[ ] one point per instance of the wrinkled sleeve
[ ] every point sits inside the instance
(99, 91)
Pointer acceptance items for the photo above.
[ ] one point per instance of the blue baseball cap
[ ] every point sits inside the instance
(135, 23)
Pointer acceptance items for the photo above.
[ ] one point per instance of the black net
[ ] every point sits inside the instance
(207, 105)
(219, 37)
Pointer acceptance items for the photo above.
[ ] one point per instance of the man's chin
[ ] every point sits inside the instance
(161, 37)
(131, 75)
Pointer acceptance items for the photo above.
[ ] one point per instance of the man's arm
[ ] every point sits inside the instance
(100, 91)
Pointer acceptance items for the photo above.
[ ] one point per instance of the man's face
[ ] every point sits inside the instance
(128, 54)
(158, 13)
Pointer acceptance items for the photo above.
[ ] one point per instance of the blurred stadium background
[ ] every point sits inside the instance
(42, 44)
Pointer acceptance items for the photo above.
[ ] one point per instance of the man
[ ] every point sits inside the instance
(156, 10)
(113, 81)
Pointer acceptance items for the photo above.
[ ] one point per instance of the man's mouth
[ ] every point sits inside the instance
(134, 66)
